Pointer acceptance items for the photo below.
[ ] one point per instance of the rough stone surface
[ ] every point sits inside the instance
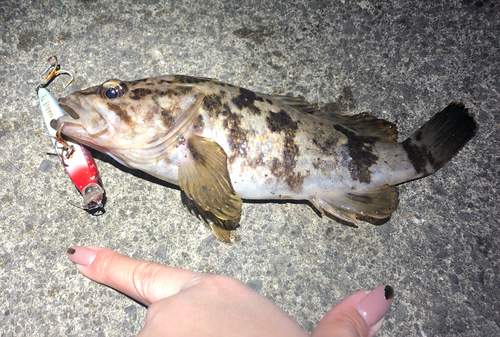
(399, 60)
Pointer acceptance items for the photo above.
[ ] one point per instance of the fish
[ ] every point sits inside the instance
(222, 144)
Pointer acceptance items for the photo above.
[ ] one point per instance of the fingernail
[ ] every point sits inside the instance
(375, 304)
(81, 255)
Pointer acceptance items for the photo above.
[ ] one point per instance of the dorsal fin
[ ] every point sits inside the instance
(364, 124)
(294, 102)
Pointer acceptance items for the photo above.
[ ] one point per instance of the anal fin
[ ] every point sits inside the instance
(371, 205)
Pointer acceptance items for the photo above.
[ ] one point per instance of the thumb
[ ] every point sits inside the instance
(145, 281)
(359, 315)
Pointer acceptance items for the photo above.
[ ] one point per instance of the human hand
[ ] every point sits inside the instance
(185, 303)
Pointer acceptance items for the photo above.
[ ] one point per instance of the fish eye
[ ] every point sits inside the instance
(112, 90)
(111, 93)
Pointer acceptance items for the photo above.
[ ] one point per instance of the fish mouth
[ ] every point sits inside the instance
(81, 117)
(59, 123)
(69, 110)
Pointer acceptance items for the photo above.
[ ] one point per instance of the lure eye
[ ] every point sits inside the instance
(112, 90)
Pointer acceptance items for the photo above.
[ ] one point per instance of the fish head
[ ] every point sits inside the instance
(107, 115)
(133, 121)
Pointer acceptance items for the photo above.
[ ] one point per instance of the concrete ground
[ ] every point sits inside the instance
(402, 61)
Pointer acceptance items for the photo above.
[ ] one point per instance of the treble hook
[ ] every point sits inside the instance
(54, 70)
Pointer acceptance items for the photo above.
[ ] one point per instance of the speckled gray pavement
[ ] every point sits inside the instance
(399, 60)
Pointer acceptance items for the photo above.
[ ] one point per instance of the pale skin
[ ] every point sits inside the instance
(185, 303)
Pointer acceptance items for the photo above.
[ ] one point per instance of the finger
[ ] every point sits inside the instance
(144, 281)
(359, 315)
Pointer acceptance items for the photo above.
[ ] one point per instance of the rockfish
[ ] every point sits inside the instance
(221, 143)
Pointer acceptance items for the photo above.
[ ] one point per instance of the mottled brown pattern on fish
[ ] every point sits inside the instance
(321, 165)
(198, 124)
(284, 167)
(225, 111)
(240, 135)
(359, 156)
(246, 99)
(281, 121)
(326, 144)
(190, 80)
(172, 92)
(147, 114)
(417, 155)
(212, 103)
(121, 112)
(167, 118)
(237, 137)
(139, 93)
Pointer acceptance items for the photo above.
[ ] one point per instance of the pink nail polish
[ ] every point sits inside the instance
(375, 304)
(81, 255)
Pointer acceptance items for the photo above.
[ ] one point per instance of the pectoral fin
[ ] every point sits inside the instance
(204, 178)
(371, 205)
(210, 220)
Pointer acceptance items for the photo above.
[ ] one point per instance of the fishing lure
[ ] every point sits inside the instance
(76, 159)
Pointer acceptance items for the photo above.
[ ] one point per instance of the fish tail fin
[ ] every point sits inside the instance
(440, 139)
(428, 150)
(374, 205)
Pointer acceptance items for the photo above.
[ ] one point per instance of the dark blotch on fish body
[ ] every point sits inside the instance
(327, 146)
(246, 99)
(212, 103)
(418, 155)
(122, 113)
(198, 124)
(361, 157)
(190, 80)
(282, 122)
(139, 93)
(238, 137)
(177, 91)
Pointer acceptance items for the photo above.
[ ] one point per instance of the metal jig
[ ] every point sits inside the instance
(76, 159)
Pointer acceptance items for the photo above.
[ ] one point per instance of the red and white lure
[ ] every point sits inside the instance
(76, 159)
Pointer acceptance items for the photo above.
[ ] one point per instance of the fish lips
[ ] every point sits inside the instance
(79, 114)
(68, 110)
